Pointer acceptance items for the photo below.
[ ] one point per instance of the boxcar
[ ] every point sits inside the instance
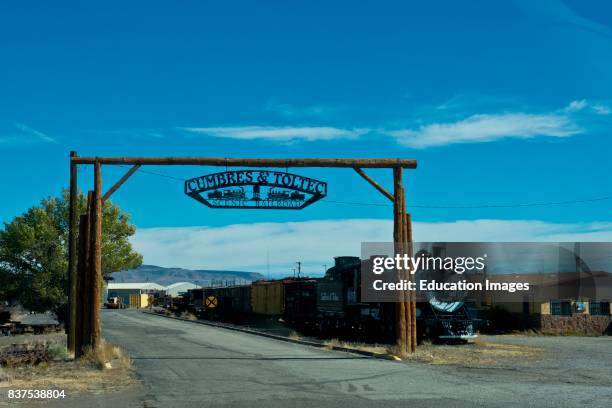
(241, 299)
(267, 297)
(300, 309)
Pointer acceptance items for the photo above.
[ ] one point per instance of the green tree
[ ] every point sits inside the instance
(34, 251)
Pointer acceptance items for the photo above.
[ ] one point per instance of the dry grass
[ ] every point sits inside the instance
(107, 368)
(371, 348)
(108, 356)
(478, 353)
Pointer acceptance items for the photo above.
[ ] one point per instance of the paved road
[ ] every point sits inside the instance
(182, 364)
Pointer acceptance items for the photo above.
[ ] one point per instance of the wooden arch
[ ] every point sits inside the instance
(85, 250)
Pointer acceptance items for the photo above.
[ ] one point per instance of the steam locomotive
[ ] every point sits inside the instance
(328, 307)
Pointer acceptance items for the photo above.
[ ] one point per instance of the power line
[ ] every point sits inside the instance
(152, 173)
(428, 206)
(476, 206)
(325, 200)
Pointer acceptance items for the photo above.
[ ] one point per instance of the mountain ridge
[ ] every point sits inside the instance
(167, 276)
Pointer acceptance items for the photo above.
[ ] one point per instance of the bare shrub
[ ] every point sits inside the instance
(188, 316)
(294, 335)
(4, 376)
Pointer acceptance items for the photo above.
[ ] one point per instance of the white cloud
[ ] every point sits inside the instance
(477, 128)
(25, 135)
(601, 109)
(576, 106)
(488, 128)
(584, 105)
(245, 246)
(279, 133)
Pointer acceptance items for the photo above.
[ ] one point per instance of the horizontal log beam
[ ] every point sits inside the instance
(220, 161)
(373, 182)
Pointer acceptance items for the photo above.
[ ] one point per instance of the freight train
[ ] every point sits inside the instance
(327, 307)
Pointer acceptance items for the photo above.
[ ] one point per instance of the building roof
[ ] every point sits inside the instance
(177, 284)
(135, 285)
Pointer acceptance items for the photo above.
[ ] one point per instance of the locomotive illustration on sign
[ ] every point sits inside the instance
(255, 189)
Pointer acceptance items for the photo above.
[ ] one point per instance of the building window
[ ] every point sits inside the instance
(599, 308)
(560, 308)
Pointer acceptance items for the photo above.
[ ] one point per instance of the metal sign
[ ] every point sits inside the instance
(211, 302)
(255, 189)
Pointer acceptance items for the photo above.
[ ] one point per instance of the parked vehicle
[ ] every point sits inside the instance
(114, 302)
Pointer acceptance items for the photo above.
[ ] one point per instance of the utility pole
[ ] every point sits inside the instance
(299, 268)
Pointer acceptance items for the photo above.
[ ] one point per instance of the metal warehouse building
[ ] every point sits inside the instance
(177, 288)
(133, 294)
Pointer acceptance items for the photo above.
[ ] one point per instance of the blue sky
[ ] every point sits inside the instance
(500, 102)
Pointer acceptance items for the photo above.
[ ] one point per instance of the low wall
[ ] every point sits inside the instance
(576, 324)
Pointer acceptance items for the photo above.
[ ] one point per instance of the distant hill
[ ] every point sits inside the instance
(167, 276)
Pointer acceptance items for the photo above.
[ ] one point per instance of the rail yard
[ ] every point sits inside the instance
(327, 307)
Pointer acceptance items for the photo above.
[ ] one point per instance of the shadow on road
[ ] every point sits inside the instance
(252, 358)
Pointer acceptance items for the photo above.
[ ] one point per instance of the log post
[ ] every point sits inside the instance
(398, 227)
(407, 298)
(413, 326)
(82, 317)
(85, 272)
(407, 294)
(71, 324)
(96, 257)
